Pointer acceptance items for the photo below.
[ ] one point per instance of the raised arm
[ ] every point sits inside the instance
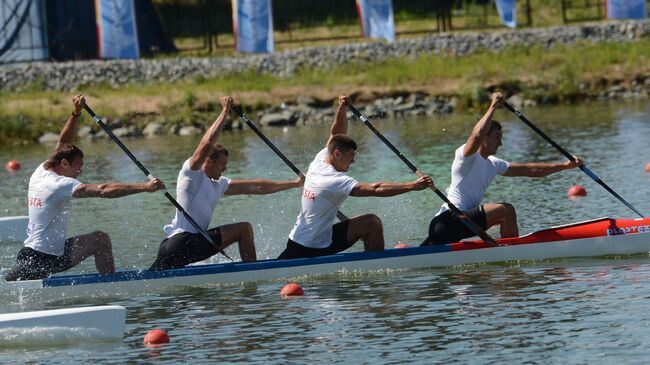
(262, 186)
(539, 169)
(211, 135)
(69, 131)
(385, 189)
(116, 190)
(340, 124)
(481, 128)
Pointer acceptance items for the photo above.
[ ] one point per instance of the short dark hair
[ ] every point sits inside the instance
(63, 151)
(342, 143)
(217, 150)
(495, 125)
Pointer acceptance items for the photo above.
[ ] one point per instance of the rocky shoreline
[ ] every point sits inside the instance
(304, 110)
(307, 111)
(69, 76)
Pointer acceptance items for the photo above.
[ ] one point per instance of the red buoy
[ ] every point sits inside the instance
(402, 245)
(292, 290)
(12, 166)
(647, 168)
(576, 191)
(156, 337)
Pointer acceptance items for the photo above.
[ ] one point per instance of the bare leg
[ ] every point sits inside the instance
(503, 214)
(97, 244)
(241, 232)
(369, 228)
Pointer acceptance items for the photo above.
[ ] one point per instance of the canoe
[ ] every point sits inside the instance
(62, 326)
(599, 237)
(13, 228)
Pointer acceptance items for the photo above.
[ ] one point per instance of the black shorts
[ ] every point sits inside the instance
(33, 265)
(339, 243)
(447, 228)
(185, 248)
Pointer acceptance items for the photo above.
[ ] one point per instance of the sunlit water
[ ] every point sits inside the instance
(563, 311)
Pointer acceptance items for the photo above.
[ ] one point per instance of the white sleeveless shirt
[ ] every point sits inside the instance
(198, 195)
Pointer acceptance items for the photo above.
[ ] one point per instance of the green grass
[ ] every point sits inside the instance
(545, 75)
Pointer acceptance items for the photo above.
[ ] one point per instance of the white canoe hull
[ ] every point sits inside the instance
(13, 228)
(64, 325)
(524, 248)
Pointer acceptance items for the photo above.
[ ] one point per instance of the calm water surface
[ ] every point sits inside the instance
(574, 311)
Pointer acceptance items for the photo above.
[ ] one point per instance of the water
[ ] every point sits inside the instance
(572, 311)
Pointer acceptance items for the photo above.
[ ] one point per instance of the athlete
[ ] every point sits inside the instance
(199, 188)
(472, 171)
(326, 187)
(52, 188)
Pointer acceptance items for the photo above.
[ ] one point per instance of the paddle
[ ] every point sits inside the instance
(463, 218)
(293, 167)
(568, 155)
(151, 177)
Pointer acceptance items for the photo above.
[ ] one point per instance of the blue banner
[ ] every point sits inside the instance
(252, 22)
(376, 18)
(117, 31)
(507, 12)
(626, 9)
(23, 35)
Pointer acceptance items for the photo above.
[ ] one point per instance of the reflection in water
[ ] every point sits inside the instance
(571, 311)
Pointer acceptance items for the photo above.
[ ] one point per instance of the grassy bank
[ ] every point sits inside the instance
(560, 74)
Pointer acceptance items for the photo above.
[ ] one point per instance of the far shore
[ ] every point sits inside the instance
(577, 66)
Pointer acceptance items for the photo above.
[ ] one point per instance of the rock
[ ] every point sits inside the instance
(48, 137)
(85, 132)
(153, 129)
(305, 100)
(122, 132)
(515, 101)
(529, 102)
(189, 131)
(278, 119)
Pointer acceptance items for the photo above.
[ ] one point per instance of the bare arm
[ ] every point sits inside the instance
(340, 124)
(385, 189)
(211, 135)
(481, 128)
(538, 169)
(116, 190)
(261, 186)
(69, 131)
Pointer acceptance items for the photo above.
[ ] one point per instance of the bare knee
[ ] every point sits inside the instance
(510, 212)
(102, 240)
(372, 220)
(246, 230)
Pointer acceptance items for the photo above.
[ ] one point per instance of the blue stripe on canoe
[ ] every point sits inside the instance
(131, 275)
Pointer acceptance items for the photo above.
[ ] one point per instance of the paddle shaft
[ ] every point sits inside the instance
(463, 218)
(339, 215)
(151, 177)
(569, 156)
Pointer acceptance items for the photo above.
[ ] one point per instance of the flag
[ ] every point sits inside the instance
(252, 22)
(117, 32)
(376, 18)
(507, 12)
(626, 9)
(23, 34)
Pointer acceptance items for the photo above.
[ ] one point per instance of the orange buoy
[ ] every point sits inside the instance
(402, 245)
(576, 191)
(292, 290)
(12, 166)
(647, 168)
(156, 337)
